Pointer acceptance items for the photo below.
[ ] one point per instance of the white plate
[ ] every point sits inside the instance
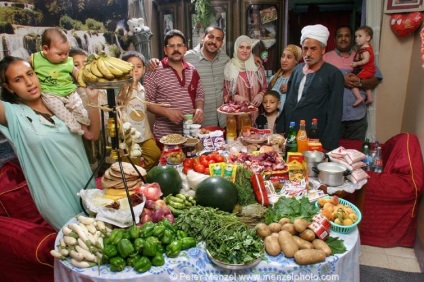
(183, 140)
(236, 113)
(234, 266)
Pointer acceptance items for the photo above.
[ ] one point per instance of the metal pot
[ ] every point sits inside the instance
(312, 159)
(331, 174)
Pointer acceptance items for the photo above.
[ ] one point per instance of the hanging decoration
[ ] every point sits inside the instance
(405, 24)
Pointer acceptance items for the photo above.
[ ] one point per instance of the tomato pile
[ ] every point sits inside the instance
(201, 164)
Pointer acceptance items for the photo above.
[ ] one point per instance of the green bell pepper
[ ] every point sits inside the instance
(181, 234)
(126, 235)
(158, 231)
(160, 248)
(167, 237)
(147, 229)
(132, 259)
(173, 249)
(110, 251)
(125, 248)
(116, 236)
(138, 245)
(134, 231)
(158, 259)
(187, 243)
(117, 264)
(168, 224)
(149, 249)
(142, 264)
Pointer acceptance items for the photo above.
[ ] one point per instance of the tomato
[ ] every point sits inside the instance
(204, 162)
(208, 157)
(203, 158)
(219, 158)
(199, 168)
(188, 162)
(186, 169)
(211, 162)
(206, 171)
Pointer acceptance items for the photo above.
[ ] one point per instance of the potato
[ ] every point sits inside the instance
(322, 245)
(307, 235)
(275, 235)
(309, 256)
(287, 244)
(300, 224)
(289, 227)
(303, 244)
(284, 220)
(272, 247)
(275, 227)
(263, 230)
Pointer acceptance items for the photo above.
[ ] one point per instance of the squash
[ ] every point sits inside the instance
(167, 177)
(217, 192)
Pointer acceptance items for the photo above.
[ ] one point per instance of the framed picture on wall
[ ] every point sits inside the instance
(402, 6)
(168, 23)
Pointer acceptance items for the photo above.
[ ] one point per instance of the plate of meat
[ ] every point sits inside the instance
(237, 108)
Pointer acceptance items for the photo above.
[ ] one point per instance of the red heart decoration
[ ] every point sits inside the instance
(405, 24)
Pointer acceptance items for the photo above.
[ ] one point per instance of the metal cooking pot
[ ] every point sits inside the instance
(331, 174)
(312, 159)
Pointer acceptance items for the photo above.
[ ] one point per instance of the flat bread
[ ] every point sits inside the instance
(128, 169)
(108, 183)
(112, 174)
(131, 185)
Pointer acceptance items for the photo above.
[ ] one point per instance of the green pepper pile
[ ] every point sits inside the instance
(144, 247)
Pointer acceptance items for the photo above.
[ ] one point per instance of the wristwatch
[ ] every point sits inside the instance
(360, 82)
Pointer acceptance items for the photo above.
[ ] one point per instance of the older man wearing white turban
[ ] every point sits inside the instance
(314, 90)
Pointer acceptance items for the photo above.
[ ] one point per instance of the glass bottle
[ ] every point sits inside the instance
(366, 143)
(302, 138)
(378, 161)
(231, 129)
(367, 160)
(291, 143)
(245, 122)
(313, 135)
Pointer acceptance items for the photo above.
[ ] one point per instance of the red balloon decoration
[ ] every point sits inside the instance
(405, 24)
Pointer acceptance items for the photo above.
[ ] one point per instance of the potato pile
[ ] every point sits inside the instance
(336, 212)
(293, 239)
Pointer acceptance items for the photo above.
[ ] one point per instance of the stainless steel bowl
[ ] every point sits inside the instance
(312, 159)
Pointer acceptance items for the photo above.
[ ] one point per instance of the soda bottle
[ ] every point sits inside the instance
(231, 129)
(367, 160)
(313, 135)
(302, 138)
(378, 161)
(291, 143)
(366, 143)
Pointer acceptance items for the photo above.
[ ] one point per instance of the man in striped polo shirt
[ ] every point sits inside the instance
(175, 82)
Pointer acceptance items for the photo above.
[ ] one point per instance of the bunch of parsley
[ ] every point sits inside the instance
(291, 208)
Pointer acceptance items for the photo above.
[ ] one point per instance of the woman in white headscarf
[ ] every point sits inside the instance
(243, 79)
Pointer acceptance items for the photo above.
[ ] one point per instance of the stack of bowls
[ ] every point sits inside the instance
(194, 129)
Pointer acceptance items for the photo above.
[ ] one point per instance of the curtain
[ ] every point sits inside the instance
(373, 15)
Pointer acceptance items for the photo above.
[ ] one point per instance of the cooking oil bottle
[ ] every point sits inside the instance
(231, 129)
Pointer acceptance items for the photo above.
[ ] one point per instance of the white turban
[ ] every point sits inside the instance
(317, 32)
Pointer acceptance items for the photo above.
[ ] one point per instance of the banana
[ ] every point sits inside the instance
(122, 65)
(80, 79)
(94, 69)
(88, 76)
(103, 69)
(114, 70)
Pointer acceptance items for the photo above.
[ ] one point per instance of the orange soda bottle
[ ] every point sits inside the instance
(302, 138)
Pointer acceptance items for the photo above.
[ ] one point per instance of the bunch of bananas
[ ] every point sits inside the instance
(103, 68)
(178, 203)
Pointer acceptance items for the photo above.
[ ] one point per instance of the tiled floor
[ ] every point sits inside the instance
(394, 258)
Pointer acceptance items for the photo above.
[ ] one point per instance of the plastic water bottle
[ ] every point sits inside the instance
(302, 138)
(378, 161)
(367, 160)
(291, 143)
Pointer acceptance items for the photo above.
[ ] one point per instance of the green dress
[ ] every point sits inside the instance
(53, 161)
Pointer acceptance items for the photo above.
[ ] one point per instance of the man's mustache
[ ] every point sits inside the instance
(176, 52)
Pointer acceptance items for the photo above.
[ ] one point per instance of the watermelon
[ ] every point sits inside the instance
(167, 177)
(217, 192)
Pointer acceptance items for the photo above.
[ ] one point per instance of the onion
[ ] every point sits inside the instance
(170, 217)
(146, 211)
(157, 216)
(151, 191)
(149, 204)
(166, 210)
(160, 204)
(146, 218)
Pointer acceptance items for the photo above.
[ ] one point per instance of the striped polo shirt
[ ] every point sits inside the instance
(163, 85)
(212, 77)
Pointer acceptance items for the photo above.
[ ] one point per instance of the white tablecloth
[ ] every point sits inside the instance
(194, 265)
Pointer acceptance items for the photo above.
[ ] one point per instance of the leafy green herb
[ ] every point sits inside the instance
(291, 208)
(227, 238)
(244, 187)
(336, 245)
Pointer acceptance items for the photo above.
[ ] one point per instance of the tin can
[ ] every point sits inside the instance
(319, 230)
(322, 220)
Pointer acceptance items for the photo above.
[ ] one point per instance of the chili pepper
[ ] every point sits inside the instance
(125, 248)
(259, 189)
(187, 243)
(116, 236)
(167, 237)
(173, 249)
(149, 249)
(168, 224)
(181, 234)
(134, 231)
(158, 259)
(138, 245)
(117, 264)
(132, 259)
(158, 231)
(110, 251)
(142, 264)
(147, 229)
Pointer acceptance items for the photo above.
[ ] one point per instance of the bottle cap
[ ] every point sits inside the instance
(292, 124)
(302, 121)
(314, 120)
